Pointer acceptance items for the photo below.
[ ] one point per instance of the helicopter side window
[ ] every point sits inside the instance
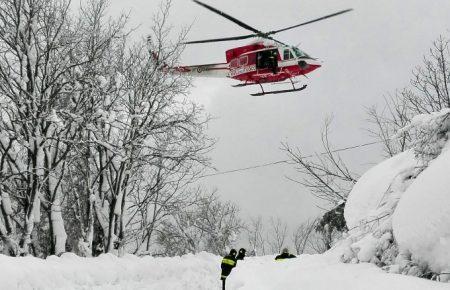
(287, 54)
(243, 60)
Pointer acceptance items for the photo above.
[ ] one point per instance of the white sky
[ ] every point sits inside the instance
(366, 54)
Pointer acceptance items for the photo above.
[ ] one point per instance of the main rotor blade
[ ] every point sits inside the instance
(233, 38)
(238, 22)
(311, 21)
(221, 39)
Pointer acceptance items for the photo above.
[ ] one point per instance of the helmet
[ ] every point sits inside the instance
(233, 252)
(285, 251)
(242, 250)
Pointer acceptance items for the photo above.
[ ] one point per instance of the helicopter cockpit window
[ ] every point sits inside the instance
(299, 53)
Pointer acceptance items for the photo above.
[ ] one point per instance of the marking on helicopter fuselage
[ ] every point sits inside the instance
(242, 70)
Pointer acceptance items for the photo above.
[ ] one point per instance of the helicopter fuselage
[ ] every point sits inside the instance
(261, 63)
(258, 63)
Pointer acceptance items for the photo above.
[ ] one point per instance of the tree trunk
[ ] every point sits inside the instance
(58, 231)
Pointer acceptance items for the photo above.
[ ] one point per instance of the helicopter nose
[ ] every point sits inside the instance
(308, 65)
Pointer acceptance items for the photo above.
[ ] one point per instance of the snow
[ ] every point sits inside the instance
(398, 213)
(366, 248)
(421, 220)
(118, 205)
(6, 203)
(55, 119)
(429, 121)
(376, 191)
(200, 272)
(429, 134)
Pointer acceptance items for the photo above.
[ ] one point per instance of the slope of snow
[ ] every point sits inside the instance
(398, 213)
(372, 196)
(198, 272)
(421, 220)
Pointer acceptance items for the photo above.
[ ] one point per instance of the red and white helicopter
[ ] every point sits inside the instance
(264, 61)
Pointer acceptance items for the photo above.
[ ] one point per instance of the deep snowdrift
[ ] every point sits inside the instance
(198, 272)
(369, 208)
(421, 221)
(375, 193)
(398, 213)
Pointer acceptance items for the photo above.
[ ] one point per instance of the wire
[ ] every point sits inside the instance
(245, 168)
(288, 160)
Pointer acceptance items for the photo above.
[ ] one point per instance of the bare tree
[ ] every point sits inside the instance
(428, 92)
(277, 235)
(319, 243)
(302, 236)
(255, 236)
(394, 116)
(326, 176)
(431, 80)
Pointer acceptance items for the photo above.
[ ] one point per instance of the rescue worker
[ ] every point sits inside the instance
(284, 255)
(241, 254)
(228, 263)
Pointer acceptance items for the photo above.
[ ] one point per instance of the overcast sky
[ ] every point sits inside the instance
(366, 54)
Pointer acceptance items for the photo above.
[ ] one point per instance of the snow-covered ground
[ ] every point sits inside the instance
(200, 272)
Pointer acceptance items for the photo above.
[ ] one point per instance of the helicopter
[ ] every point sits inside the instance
(266, 60)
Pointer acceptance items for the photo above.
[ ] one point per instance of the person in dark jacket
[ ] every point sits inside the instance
(241, 254)
(228, 263)
(284, 255)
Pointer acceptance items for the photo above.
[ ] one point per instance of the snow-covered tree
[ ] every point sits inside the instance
(208, 225)
(95, 135)
(39, 41)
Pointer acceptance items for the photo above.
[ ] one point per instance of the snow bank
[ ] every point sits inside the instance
(398, 213)
(377, 191)
(198, 272)
(107, 271)
(421, 221)
(319, 272)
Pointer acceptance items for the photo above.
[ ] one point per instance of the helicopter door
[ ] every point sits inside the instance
(267, 59)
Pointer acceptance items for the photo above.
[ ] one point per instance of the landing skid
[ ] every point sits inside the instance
(279, 92)
(294, 89)
(262, 93)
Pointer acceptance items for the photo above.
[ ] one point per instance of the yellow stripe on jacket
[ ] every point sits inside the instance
(228, 262)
